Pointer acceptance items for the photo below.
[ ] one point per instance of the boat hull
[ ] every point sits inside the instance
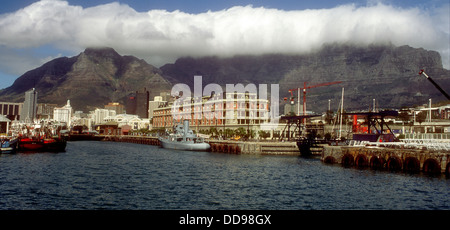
(56, 146)
(34, 145)
(8, 146)
(185, 146)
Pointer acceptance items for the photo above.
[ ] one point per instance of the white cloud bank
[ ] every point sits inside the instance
(160, 36)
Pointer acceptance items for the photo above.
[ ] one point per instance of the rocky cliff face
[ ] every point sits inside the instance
(91, 79)
(386, 73)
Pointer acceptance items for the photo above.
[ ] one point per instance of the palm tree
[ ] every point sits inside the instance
(229, 133)
(213, 131)
(240, 132)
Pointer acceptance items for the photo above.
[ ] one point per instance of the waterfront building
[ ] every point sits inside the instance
(131, 104)
(29, 110)
(137, 103)
(156, 103)
(142, 99)
(83, 122)
(63, 114)
(11, 110)
(108, 128)
(116, 106)
(79, 114)
(133, 121)
(81, 119)
(444, 112)
(4, 125)
(45, 111)
(100, 114)
(233, 111)
(166, 96)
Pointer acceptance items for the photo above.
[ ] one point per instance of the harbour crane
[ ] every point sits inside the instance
(305, 87)
(434, 83)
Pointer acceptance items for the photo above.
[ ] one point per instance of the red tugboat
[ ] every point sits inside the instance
(42, 145)
(30, 144)
(44, 137)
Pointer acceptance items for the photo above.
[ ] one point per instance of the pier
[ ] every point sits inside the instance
(393, 157)
(145, 140)
(223, 146)
(255, 148)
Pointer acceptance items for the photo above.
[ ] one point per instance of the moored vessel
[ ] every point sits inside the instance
(184, 138)
(8, 144)
(34, 144)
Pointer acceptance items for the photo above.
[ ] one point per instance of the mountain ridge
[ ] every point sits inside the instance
(91, 79)
(386, 73)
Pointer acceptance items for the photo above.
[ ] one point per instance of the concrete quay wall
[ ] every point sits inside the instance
(225, 146)
(133, 139)
(255, 148)
(393, 159)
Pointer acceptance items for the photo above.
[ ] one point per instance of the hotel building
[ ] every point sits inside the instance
(156, 103)
(234, 111)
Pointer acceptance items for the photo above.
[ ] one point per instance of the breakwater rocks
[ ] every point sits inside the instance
(386, 158)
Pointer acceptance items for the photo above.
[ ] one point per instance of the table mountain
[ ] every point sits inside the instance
(386, 73)
(91, 79)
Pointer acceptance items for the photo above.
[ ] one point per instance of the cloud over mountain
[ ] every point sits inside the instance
(159, 36)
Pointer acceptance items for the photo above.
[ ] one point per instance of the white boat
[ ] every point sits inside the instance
(184, 139)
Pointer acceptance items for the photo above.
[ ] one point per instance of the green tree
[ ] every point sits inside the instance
(403, 115)
(240, 132)
(263, 134)
(213, 131)
(229, 133)
(421, 116)
(251, 133)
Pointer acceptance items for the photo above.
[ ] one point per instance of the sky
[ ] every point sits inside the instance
(35, 32)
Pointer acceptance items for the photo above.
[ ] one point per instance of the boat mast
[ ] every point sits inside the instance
(342, 111)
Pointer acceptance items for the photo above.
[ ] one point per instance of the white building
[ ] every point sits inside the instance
(63, 114)
(100, 115)
(128, 119)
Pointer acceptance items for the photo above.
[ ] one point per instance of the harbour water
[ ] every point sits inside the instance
(109, 175)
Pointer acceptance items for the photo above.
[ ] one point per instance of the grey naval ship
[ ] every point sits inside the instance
(184, 138)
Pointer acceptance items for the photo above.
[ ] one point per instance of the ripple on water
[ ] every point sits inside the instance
(106, 175)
